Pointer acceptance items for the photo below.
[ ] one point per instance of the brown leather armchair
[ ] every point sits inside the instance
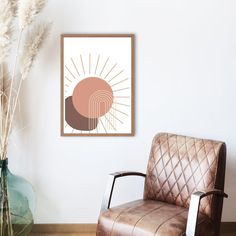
(183, 192)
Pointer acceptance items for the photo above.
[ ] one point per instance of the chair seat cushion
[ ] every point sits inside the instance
(149, 218)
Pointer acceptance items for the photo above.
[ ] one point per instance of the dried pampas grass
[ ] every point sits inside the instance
(39, 5)
(4, 87)
(9, 88)
(4, 98)
(27, 10)
(32, 46)
(14, 4)
(6, 17)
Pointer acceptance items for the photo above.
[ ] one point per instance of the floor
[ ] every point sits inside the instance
(81, 234)
(228, 234)
(228, 231)
(64, 234)
(91, 234)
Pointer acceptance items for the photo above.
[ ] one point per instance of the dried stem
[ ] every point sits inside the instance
(11, 86)
(27, 11)
(14, 108)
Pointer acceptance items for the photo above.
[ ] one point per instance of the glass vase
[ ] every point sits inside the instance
(17, 203)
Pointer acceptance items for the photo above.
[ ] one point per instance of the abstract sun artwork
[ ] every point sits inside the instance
(97, 85)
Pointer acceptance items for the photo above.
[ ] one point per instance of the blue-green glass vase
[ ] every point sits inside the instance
(17, 203)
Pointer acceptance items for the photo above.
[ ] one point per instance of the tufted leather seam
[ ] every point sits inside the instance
(193, 172)
(159, 226)
(156, 142)
(114, 221)
(162, 154)
(163, 169)
(209, 166)
(189, 165)
(151, 171)
(212, 179)
(198, 167)
(157, 208)
(205, 160)
(206, 154)
(167, 177)
(174, 167)
(152, 157)
(200, 162)
(179, 147)
(183, 169)
(179, 162)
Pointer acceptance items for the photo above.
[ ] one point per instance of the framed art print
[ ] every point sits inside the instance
(97, 85)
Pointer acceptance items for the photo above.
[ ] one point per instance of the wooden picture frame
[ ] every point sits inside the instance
(97, 85)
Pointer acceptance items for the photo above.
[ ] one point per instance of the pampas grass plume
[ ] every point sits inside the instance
(5, 28)
(32, 46)
(27, 11)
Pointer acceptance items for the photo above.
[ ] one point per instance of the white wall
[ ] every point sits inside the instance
(185, 83)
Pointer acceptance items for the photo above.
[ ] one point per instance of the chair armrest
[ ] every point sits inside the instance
(194, 207)
(110, 186)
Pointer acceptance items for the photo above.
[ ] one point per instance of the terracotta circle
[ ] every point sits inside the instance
(92, 97)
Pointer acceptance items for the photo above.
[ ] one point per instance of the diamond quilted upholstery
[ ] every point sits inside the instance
(180, 165)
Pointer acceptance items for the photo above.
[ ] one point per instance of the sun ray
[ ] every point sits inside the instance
(75, 66)
(121, 89)
(68, 79)
(70, 72)
(122, 104)
(116, 118)
(115, 76)
(110, 70)
(104, 66)
(67, 85)
(66, 125)
(82, 63)
(95, 72)
(110, 123)
(119, 82)
(89, 62)
(119, 111)
(103, 125)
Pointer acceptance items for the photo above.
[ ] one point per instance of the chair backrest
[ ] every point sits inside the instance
(180, 165)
